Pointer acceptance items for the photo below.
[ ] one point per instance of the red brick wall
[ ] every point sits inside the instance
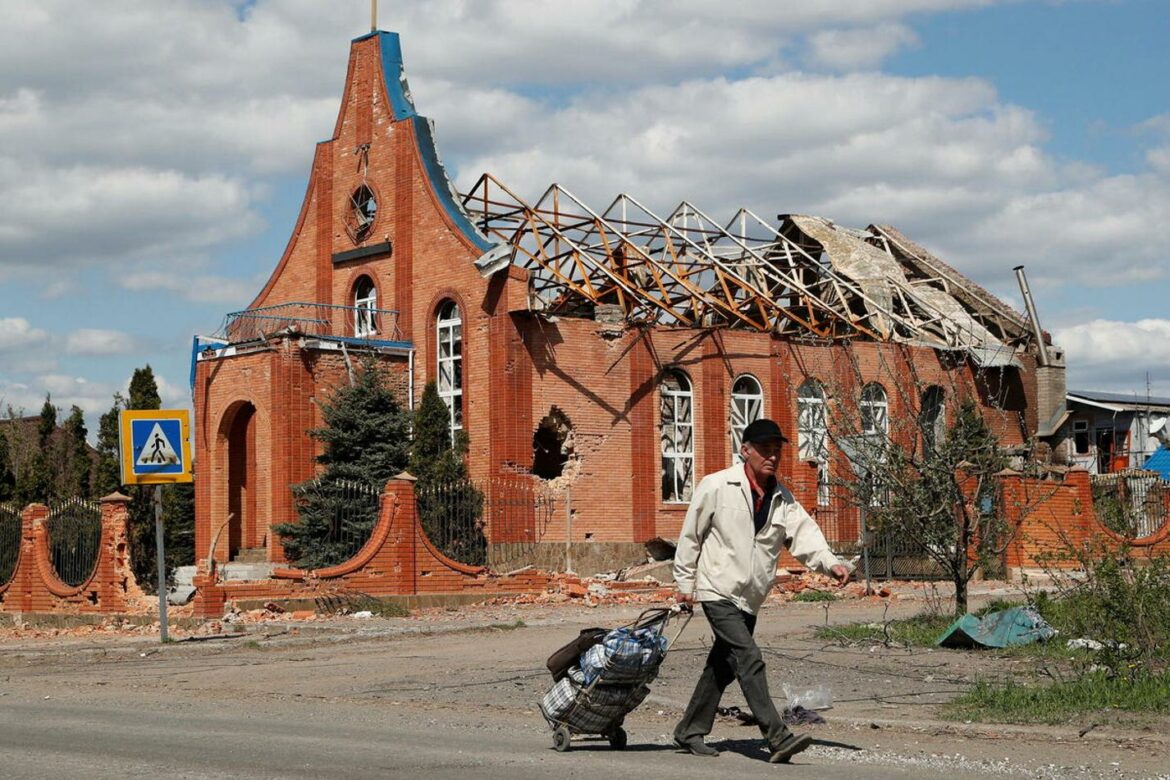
(1055, 517)
(111, 588)
(397, 560)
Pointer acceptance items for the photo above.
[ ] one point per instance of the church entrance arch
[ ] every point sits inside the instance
(238, 432)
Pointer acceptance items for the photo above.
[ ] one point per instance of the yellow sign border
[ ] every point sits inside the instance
(126, 448)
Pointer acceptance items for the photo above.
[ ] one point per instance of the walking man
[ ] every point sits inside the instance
(737, 523)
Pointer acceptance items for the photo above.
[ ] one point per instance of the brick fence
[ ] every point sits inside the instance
(398, 560)
(111, 588)
(1057, 519)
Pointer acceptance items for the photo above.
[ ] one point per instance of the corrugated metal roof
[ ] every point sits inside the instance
(1127, 399)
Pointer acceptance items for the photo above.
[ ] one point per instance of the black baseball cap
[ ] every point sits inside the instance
(762, 430)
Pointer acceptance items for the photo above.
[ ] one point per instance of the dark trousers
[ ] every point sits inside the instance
(734, 655)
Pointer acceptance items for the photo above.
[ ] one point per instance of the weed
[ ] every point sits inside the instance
(1054, 703)
(811, 594)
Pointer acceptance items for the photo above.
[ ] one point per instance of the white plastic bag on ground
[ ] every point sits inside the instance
(819, 697)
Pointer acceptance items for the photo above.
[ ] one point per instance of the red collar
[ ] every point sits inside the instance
(757, 491)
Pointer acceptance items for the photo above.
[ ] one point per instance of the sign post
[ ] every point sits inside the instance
(155, 449)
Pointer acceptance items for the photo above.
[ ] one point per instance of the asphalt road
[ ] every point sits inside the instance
(455, 696)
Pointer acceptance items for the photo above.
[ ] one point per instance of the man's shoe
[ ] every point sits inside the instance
(789, 747)
(697, 747)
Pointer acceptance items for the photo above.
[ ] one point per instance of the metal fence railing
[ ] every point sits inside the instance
(1132, 503)
(74, 530)
(494, 522)
(310, 319)
(340, 516)
(10, 531)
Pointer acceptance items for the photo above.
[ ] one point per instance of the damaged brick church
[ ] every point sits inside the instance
(616, 351)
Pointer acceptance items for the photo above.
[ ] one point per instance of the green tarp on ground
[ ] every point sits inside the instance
(1015, 626)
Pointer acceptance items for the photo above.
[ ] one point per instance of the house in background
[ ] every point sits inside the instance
(1110, 432)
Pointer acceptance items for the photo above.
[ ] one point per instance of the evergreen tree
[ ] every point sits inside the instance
(143, 395)
(47, 424)
(365, 440)
(7, 476)
(76, 474)
(36, 481)
(108, 477)
(144, 390)
(450, 507)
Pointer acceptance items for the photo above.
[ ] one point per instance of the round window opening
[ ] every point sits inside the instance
(363, 208)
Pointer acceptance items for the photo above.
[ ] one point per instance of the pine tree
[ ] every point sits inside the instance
(76, 474)
(7, 476)
(144, 390)
(143, 395)
(108, 474)
(365, 439)
(450, 507)
(37, 480)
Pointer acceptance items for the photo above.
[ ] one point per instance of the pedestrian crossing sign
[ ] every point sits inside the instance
(155, 446)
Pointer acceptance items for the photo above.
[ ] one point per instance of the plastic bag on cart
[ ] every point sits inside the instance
(625, 655)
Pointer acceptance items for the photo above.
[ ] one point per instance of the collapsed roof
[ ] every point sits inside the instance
(805, 276)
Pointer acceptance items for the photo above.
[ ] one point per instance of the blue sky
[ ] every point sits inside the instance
(153, 155)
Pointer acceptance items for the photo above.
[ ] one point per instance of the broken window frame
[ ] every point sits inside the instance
(875, 426)
(365, 305)
(812, 423)
(932, 417)
(677, 436)
(747, 406)
(361, 214)
(1080, 436)
(449, 362)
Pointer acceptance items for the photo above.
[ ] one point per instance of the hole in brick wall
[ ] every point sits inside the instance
(92, 597)
(552, 445)
(125, 585)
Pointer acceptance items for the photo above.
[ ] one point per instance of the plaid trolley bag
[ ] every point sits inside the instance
(601, 676)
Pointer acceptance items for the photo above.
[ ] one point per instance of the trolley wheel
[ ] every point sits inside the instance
(618, 739)
(561, 739)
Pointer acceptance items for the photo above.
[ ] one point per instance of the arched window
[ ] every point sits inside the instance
(365, 305)
(875, 411)
(875, 427)
(678, 443)
(932, 420)
(747, 405)
(449, 327)
(813, 433)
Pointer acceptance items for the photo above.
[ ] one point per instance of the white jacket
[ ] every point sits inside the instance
(719, 555)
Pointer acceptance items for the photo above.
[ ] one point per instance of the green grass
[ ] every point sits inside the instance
(919, 631)
(814, 595)
(507, 626)
(1056, 703)
(385, 609)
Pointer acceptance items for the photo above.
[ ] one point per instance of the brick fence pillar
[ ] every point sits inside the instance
(115, 576)
(403, 545)
(28, 578)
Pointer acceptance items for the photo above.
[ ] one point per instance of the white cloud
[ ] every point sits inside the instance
(201, 288)
(98, 341)
(1116, 356)
(16, 333)
(858, 48)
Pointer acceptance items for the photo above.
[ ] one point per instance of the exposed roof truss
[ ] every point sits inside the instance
(803, 277)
